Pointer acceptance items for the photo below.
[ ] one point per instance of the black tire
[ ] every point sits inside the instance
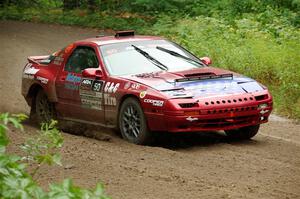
(243, 133)
(132, 123)
(44, 109)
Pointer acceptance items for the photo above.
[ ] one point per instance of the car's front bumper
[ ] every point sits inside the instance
(217, 116)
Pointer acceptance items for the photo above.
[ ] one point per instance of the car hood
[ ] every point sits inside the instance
(206, 81)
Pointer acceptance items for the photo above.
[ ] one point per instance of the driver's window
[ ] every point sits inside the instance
(82, 57)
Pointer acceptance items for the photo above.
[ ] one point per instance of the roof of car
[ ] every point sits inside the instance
(103, 40)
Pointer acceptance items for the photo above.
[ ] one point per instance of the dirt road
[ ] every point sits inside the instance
(203, 165)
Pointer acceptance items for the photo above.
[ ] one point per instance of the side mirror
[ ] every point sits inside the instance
(92, 73)
(206, 60)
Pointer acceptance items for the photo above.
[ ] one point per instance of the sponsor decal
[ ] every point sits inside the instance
(143, 94)
(72, 82)
(90, 94)
(29, 71)
(92, 97)
(109, 100)
(92, 102)
(42, 79)
(111, 87)
(135, 86)
(127, 85)
(26, 76)
(73, 78)
(191, 119)
(154, 102)
(86, 84)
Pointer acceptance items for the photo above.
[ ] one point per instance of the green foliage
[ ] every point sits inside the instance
(15, 183)
(43, 148)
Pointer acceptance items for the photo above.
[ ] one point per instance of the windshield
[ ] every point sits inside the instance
(127, 59)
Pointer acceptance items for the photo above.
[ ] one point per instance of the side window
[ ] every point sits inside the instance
(82, 57)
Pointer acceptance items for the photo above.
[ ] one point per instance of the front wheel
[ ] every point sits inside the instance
(132, 123)
(243, 133)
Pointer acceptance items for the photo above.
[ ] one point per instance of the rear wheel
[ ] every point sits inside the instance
(243, 133)
(132, 123)
(44, 109)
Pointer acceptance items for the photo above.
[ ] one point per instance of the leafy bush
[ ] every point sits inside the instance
(16, 183)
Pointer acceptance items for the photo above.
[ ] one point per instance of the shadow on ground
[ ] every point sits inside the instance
(200, 139)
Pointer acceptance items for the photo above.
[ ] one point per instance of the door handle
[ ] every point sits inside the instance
(62, 78)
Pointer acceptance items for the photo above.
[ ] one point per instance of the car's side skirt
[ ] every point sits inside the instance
(88, 122)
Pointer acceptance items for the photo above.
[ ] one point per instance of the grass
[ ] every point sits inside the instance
(263, 46)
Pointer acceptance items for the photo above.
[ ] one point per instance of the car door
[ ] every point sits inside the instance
(80, 98)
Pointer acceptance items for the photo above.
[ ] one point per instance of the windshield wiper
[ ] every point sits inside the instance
(176, 54)
(152, 59)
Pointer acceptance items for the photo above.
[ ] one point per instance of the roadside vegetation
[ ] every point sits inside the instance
(260, 39)
(18, 182)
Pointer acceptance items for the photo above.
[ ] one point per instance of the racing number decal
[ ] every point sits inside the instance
(97, 86)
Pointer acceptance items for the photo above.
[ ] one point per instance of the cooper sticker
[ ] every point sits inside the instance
(143, 94)
(92, 103)
(91, 99)
(111, 87)
(154, 102)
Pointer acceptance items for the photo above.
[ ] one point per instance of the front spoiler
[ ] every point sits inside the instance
(216, 120)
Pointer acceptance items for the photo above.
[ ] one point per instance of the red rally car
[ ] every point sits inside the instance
(142, 84)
